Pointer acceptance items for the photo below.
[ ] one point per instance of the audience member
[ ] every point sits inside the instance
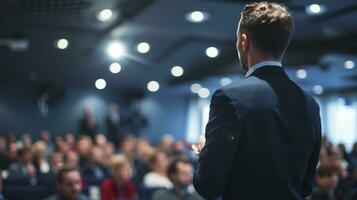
(88, 124)
(157, 177)
(69, 185)
(23, 166)
(39, 158)
(327, 180)
(119, 185)
(95, 165)
(113, 120)
(71, 159)
(180, 173)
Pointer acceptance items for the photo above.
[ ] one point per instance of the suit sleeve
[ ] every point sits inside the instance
(308, 180)
(218, 155)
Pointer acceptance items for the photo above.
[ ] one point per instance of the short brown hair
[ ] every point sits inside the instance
(270, 26)
(172, 169)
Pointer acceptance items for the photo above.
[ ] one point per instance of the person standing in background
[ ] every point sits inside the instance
(88, 124)
(113, 120)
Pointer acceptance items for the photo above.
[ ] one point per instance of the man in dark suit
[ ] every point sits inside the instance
(263, 135)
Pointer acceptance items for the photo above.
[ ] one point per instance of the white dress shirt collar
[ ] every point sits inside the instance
(262, 64)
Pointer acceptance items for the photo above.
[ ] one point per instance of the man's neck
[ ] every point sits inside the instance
(254, 61)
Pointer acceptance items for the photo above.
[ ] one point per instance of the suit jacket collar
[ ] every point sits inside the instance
(272, 70)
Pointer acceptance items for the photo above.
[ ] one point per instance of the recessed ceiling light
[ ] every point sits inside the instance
(100, 84)
(301, 74)
(115, 50)
(318, 89)
(225, 81)
(153, 86)
(195, 87)
(212, 52)
(315, 9)
(62, 43)
(349, 64)
(143, 47)
(203, 93)
(115, 68)
(197, 16)
(177, 71)
(105, 15)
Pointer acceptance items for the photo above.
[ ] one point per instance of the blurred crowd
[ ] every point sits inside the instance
(118, 165)
(120, 171)
(336, 173)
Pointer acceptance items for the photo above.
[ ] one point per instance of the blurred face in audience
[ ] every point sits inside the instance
(183, 177)
(161, 163)
(27, 141)
(128, 146)
(70, 139)
(166, 143)
(122, 173)
(84, 145)
(71, 185)
(328, 182)
(97, 155)
(26, 157)
(72, 159)
(45, 136)
(101, 140)
(12, 150)
(56, 160)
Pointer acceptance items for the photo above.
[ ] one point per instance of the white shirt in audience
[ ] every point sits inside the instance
(155, 180)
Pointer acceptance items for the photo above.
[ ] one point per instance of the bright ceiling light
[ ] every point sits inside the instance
(115, 50)
(115, 68)
(195, 87)
(318, 89)
(153, 86)
(143, 47)
(301, 74)
(349, 64)
(176, 71)
(203, 93)
(225, 81)
(62, 43)
(315, 9)
(105, 15)
(212, 52)
(100, 84)
(197, 16)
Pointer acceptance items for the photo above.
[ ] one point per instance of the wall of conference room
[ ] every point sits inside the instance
(19, 111)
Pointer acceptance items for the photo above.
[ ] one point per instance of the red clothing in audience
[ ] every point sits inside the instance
(111, 191)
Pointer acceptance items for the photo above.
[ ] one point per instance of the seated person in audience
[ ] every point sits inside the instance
(119, 185)
(70, 140)
(95, 166)
(71, 159)
(127, 147)
(180, 173)
(56, 162)
(143, 151)
(327, 180)
(69, 185)
(45, 137)
(166, 144)
(26, 142)
(23, 167)
(10, 156)
(84, 146)
(157, 177)
(40, 161)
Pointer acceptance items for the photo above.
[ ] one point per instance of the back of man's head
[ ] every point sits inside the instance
(269, 25)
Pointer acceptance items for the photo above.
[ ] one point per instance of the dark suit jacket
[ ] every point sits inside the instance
(263, 140)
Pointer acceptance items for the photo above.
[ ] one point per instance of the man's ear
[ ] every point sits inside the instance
(245, 41)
